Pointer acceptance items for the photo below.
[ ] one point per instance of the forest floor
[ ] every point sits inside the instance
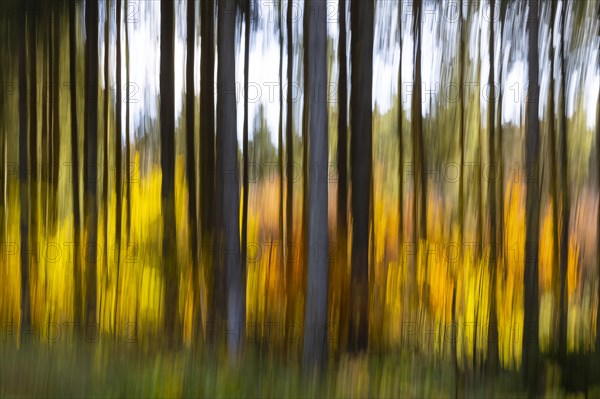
(117, 370)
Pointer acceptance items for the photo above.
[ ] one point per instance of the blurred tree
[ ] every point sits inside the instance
(315, 322)
(91, 158)
(167, 160)
(119, 166)
(77, 272)
(492, 347)
(531, 283)
(105, 197)
(246, 188)
(55, 139)
(23, 174)
(228, 199)
(362, 16)
(191, 167)
(128, 20)
(34, 259)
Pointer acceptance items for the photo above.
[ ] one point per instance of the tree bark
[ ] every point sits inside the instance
(91, 157)
(361, 120)
(228, 202)
(315, 322)
(531, 308)
(191, 167)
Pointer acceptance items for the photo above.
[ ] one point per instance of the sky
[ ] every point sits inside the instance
(143, 23)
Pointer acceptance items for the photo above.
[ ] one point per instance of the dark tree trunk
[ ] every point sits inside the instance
(128, 176)
(34, 259)
(119, 168)
(280, 143)
(289, 207)
(56, 122)
(531, 314)
(23, 176)
(228, 199)
(191, 167)
(492, 347)
(342, 162)
(315, 322)
(207, 155)
(245, 141)
(91, 157)
(167, 161)
(105, 197)
(361, 22)
(77, 277)
(566, 206)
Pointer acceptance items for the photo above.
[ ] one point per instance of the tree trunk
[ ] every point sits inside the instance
(492, 347)
(207, 213)
(127, 135)
(105, 197)
(531, 309)
(119, 170)
(315, 322)
(91, 157)
(289, 207)
(77, 277)
(191, 167)
(228, 202)
(246, 188)
(342, 163)
(167, 160)
(361, 120)
(56, 123)
(23, 177)
(566, 206)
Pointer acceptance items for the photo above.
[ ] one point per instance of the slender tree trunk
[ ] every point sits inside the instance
(315, 322)
(207, 152)
(492, 347)
(191, 167)
(167, 160)
(127, 134)
(566, 205)
(361, 121)
(56, 122)
(34, 259)
(400, 147)
(118, 169)
(228, 202)
(531, 314)
(91, 157)
(23, 177)
(280, 145)
(289, 207)
(105, 197)
(77, 283)
(246, 188)
(342, 163)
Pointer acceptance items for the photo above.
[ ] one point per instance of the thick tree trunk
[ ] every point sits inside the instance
(531, 314)
(315, 322)
(191, 167)
(91, 157)
(77, 277)
(361, 120)
(228, 195)
(167, 160)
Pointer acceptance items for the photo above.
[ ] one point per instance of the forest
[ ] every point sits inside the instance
(300, 198)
